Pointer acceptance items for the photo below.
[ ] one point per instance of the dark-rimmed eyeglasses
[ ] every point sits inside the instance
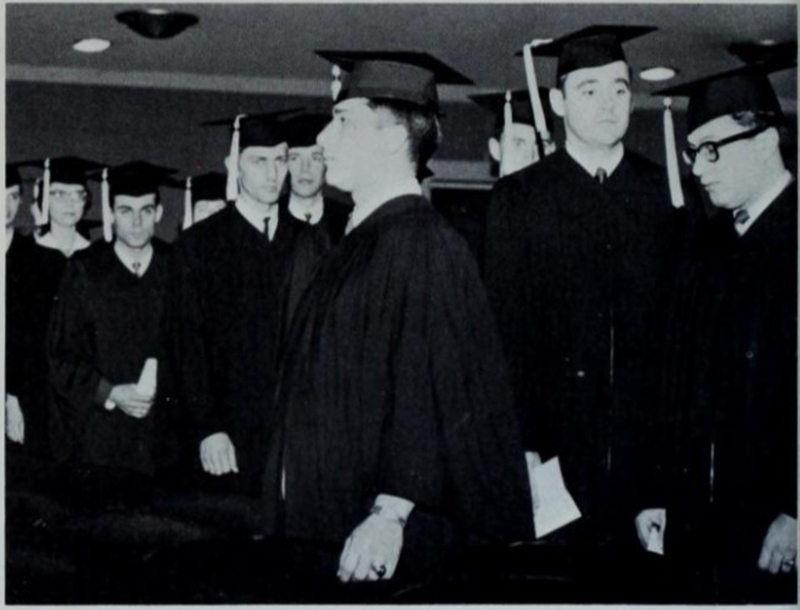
(709, 151)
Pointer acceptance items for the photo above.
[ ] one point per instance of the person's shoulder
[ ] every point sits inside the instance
(212, 229)
(647, 167)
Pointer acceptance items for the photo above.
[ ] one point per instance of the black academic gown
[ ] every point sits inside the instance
(393, 382)
(39, 274)
(334, 219)
(18, 277)
(106, 324)
(578, 274)
(731, 388)
(224, 324)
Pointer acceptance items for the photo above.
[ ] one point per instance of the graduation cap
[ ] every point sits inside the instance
(519, 107)
(263, 129)
(12, 175)
(746, 88)
(134, 179)
(65, 170)
(302, 130)
(597, 45)
(405, 76)
(209, 187)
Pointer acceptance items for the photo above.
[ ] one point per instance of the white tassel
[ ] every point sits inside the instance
(35, 209)
(336, 84)
(105, 200)
(187, 204)
(536, 101)
(673, 173)
(46, 193)
(232, 186)
(505, 137)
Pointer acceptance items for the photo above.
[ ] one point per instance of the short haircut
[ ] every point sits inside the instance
(750, 119)
(424, 131)
(112, 197)
(563, 79)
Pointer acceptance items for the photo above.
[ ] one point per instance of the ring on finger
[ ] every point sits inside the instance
(380, 571)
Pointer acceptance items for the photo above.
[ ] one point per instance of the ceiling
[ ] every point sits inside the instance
(269, 46)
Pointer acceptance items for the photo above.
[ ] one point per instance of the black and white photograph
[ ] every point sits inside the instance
(401, 303)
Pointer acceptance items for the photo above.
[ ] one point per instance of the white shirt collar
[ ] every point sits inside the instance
(126, 259)
(362, 209)
(9, 238)
(591, 166)
(48, 241)
(255, 214)
(757, 207)
(310, 213)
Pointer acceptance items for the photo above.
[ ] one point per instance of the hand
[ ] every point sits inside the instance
(372, 550)
(127, 398)
(779, 550)
(647, 520)
(218, 454)
(15, 422)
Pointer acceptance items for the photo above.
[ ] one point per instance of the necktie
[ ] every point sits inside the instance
(600, 176)
(136, 267)
(266, 228)
(740, 217)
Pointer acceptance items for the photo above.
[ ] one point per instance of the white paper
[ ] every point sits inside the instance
(147, 380)
(556, 508)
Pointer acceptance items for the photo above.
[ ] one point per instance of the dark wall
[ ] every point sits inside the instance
(118, 124)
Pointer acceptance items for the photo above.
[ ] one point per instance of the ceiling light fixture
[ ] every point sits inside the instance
(92, 45)
(157, 23)
(658, 74)
(767, 50)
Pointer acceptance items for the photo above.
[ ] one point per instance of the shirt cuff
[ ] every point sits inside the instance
(393, 508)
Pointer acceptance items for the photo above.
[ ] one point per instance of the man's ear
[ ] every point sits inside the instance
(495, 150)
(394, 138)
(159, 212)
(768, 142)
(557, 101)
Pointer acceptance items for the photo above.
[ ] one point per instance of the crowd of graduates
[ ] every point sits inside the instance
(611, 373)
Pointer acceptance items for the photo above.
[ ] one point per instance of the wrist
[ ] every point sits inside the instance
(386, 512)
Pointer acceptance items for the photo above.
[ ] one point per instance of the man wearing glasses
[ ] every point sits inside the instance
(731, 373)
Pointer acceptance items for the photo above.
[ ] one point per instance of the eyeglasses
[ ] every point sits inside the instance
(709, 151)
(69, 195)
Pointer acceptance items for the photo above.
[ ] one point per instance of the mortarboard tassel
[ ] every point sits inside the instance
(187, 204)
(232, 187)
(35, 209)
(105, 199)
(336, 84)
(673, 173)
(505, 138)
(536, 102)
(46, 193)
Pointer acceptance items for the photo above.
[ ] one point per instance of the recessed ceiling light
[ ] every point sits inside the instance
(92, 45)
(658, 73)
(768, 42)
(156, 11)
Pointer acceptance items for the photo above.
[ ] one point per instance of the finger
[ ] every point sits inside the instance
(786, 567)
(764, 558)
(224, 462)
(232, 458)
(775, 563)
(213, 462)
(343, 556)
(348, 564)
(364, 566)
(391, 567)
